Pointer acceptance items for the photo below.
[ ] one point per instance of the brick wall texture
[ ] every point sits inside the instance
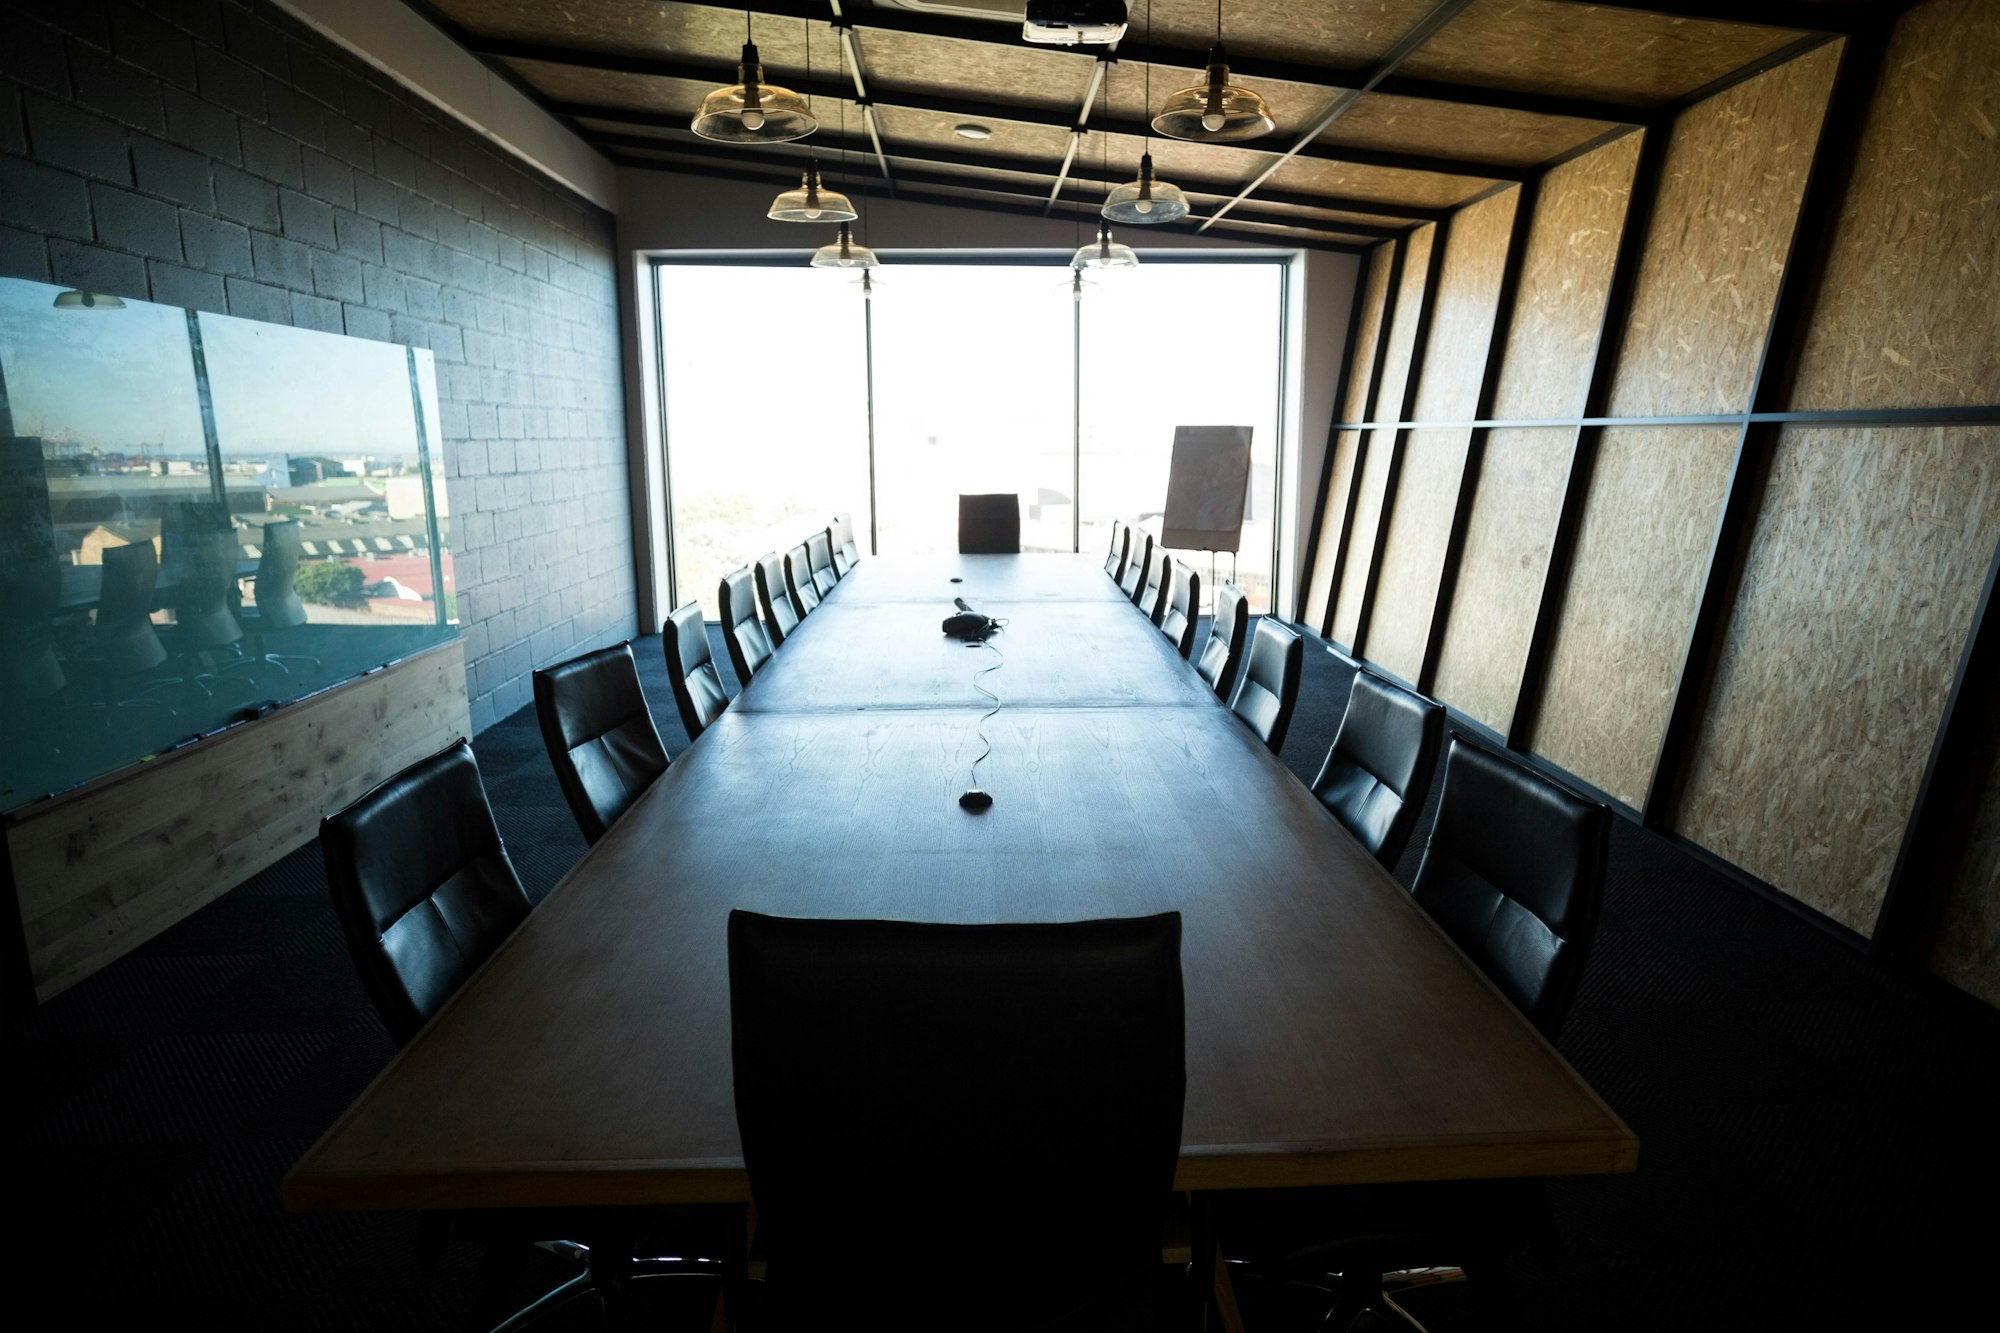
(217, 154)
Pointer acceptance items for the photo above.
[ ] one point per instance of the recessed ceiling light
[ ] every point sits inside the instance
(972, 131)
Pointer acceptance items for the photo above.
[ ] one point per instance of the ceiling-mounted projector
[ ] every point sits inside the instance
(1073, 22)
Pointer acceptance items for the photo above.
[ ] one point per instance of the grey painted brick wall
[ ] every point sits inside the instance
(216, 154)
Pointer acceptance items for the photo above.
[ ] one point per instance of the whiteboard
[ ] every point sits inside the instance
(1208, 486)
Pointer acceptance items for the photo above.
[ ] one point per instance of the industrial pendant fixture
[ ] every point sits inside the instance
(1104, 252)
(1146, 202)
(1217, 111)
(844, 252)
(751, 110)
(811, 203)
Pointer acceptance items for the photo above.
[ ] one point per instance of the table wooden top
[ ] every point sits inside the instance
(1333, 1033)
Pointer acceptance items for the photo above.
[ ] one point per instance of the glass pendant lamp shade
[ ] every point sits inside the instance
(1105, 252)
(1146, 201)
(810, 203)
(1216, 112)
(844, 252)
(74, 299)
(753, 111)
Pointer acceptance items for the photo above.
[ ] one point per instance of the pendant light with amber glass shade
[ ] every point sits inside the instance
(751, 110)
(1216, 111)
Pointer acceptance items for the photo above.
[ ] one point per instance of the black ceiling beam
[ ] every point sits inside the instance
(706, 152)
(1243, 65)
(575, 111)
(1030, 209)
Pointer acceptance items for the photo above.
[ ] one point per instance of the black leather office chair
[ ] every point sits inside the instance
(425, 893)
(989, 524)
(422, 884)
(1228, 635)
(983, 1098)
(749, 646)
(819, 559)
(1269, 689)
(698, 691)
(204, 621)
(1138, 559)
(1159, 582)
(1378, 772)
(1121, 545)
(780, 616)
(845, 554)
(1514, 873)
(1182, 609)
(127, 645)
(600, 735)
(279, 610)
(799, 582)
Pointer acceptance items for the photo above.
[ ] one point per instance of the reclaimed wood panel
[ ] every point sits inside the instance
(1565, 280)
(1475, 257)
(1637, 572)
(101, 870)
(1965, 950)
(1500, 571)
(1730, 187)
(1413, 550)
(1904, 317)
(1857, 593)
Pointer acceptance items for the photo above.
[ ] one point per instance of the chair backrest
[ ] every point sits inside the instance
(124, 634)
(819, 559)
(989, 524)
(1269, 689)
(749, 645)
(840, 533)
(1159, 581)
(698, 691)
(1514, 872)
(1140, 557)
(971, 1086)
(600, 735)
(1228, 634)
(846, 554)
(278, 604)
(799, 582)
(422, 884)
(1379, 770)
(1181, 611)
(1121, 545)
(203, 617)
(780, 616)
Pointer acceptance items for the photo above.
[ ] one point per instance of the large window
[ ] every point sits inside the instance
(790, 396)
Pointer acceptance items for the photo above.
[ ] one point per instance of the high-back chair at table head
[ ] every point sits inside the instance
(780, 616)
(698, 691)
(799, 582)
(600, 735)
(749, 646)
(1269, 688)
(1379, 769)
(1228, 635)
(819, 559)
(1182, 609)
(1139, 555)
(989, 524)
(980, 1095)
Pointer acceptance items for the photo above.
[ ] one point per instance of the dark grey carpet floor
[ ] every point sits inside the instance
(1818, 1130)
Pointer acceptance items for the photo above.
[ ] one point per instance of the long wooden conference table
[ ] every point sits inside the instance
(1334, 1035)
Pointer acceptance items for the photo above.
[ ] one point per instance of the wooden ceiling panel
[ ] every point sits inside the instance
(1174, 159)
(1292, 104)
(1453, 129)
(643, 28)
(1040, 145)
(1348, 35)
(1582, 51)
(1421, 189)
(597, 87)
(1047, 80)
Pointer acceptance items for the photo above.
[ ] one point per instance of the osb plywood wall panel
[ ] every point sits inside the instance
(1333, 525)
(1565, 277)
(1857, 592)
(101, 870)
(1413, 551)
(1966, 949)
(1729, 194)
(1475, 254)
(1905, 316)
(1500, 572)
(1641, 554)
(1403, 315)
(1373, 481)
(1374, 305)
